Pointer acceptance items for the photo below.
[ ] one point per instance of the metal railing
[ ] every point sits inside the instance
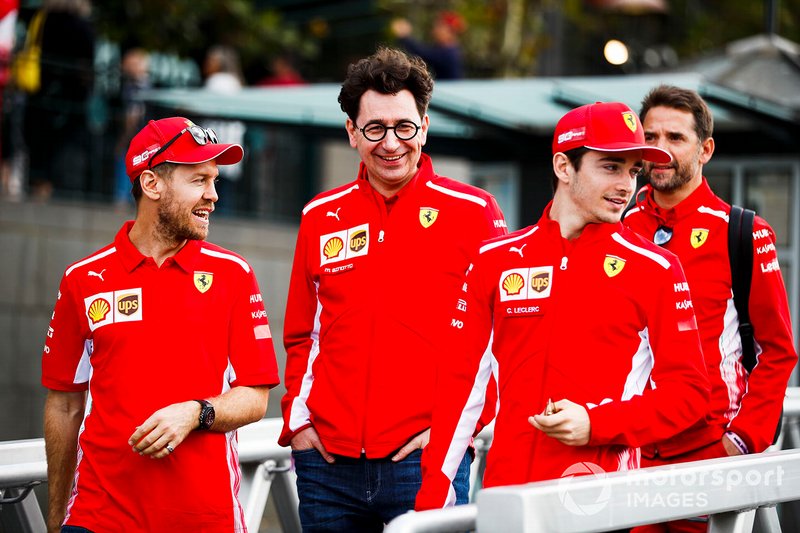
(266, 470)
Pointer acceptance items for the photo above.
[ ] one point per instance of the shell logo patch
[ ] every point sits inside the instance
(203, 281)
(427, 216)
(630, 120)
(332, 246)
(513, 283)
(699, 237)
(613, 265)
(113, 307)
(513, 286)
(98, 310)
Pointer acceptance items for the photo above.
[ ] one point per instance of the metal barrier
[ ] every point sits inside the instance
(266, 469)
(609, 502)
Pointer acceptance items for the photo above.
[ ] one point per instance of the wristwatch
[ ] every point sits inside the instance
(207, 414)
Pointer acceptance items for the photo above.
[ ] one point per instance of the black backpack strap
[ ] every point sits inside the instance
(740, 254)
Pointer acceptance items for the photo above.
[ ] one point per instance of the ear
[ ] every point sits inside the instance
(423, 130)
(562, 168)
(352, 132)
(706, 150)
(152, 185)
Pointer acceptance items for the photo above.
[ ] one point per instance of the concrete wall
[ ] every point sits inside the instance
(37, 242)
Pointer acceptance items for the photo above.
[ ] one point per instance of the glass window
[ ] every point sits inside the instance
(769, 193)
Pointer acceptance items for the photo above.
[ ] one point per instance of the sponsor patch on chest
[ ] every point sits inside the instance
(532, 283)
(113, 307)
(344, 245)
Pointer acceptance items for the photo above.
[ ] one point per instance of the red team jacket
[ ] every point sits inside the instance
(748, 406)
(140, 337)
(604, 320)
(365, 303)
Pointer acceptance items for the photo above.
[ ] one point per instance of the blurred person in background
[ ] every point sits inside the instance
(222, 69)
(135, 78)
(444, 55)
(55, 124)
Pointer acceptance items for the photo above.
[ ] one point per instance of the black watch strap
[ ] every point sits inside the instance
(207, 414)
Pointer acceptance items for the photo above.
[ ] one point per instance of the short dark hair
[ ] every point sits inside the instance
(685, 100)
(575, 157)
(387, 71)
(164, 170)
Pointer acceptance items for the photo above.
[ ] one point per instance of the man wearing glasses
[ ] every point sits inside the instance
(158, 350)
(375, 262)
(679, 211)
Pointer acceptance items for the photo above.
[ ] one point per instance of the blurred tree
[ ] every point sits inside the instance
(189, 27)
(509, 38)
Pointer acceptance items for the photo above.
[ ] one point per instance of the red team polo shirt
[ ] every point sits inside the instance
(139, 338)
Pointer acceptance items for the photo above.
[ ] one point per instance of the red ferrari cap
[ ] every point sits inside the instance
(606, 127)
(186, 143)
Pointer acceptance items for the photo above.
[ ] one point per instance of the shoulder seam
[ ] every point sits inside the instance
(230, 257)
(457, 194)
(497, 244)
(715, 212)
(90, 259)
(636, 209)
(320, 201)
(653, 256)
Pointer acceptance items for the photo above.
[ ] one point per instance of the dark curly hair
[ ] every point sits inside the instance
(387, 71)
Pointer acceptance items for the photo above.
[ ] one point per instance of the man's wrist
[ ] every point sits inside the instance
(738, 442)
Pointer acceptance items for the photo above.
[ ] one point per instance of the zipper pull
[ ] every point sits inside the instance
(380, 236)
(564, 263)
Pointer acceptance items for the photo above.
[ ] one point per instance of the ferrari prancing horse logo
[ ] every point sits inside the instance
(613, 265)
(630, 120)
(699, 236)
(203, 280)
(427, 216)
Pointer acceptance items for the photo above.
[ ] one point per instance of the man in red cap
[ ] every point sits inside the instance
(592, 327)
(158, 350)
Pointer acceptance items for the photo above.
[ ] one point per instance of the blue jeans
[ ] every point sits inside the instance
(74, 529)
(361, 494)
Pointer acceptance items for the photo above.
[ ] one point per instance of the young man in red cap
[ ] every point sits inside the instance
(158, 350)
(592, 327)
(680, 212)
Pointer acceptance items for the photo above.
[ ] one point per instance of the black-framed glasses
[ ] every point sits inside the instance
(405, 130)
(662, 236)
(201, 136)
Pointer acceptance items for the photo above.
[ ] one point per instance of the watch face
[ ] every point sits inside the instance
(208, 419)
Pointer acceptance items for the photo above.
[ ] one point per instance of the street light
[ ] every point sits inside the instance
(616, 52)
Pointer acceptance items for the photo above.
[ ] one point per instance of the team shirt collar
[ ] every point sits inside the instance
(591, 232)
(186, 258)
(669, 217)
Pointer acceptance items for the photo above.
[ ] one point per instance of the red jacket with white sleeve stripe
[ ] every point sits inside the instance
(746, 405)
(604, 320)
(370, 285)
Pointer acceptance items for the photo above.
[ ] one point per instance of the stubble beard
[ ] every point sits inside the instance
(680, 177)
(174, 226)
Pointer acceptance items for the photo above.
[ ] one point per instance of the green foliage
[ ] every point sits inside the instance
(188, 27)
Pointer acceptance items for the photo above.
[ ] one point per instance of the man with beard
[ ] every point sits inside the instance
(170, 336)
(678, 210)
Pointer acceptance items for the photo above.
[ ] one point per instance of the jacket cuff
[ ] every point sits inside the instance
(286, 436)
